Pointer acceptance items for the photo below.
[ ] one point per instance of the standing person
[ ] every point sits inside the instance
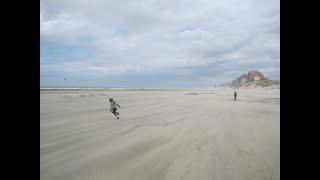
(113, 107)
(235, 95)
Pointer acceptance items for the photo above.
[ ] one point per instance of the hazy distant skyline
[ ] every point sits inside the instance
(157, 43)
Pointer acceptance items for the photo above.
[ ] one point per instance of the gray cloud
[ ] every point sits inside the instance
(211, 41)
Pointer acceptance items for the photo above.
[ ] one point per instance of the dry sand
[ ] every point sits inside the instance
(189, 135)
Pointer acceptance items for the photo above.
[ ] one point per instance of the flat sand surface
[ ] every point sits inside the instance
(173, 135)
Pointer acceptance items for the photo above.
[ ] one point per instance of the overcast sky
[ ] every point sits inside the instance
(157, 43)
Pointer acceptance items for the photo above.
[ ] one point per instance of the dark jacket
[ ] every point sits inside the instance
(113, 105)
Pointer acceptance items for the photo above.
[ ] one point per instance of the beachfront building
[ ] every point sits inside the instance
(243, 78)
(240, 80)
(234, 83)
(255, 76)
(250, 78)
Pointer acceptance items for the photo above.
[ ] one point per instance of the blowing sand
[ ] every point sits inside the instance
(189, 135)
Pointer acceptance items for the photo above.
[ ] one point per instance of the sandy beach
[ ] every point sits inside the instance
(161, 135)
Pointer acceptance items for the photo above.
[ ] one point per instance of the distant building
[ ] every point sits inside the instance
(255, 76)
(235, 83)
(227, 84)
(250, 77)
(243, 78)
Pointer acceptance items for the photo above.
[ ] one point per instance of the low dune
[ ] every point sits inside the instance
(161, 135)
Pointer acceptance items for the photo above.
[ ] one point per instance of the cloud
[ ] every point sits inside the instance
(209, 41)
